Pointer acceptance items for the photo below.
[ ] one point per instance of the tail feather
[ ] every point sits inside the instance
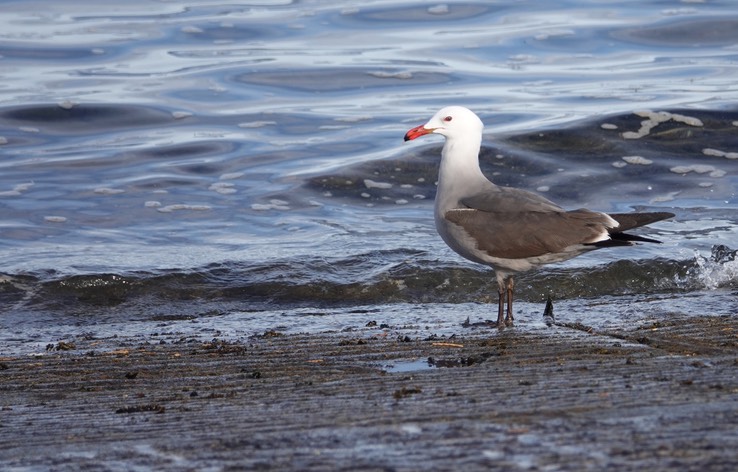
(628, 221)
(634, 220)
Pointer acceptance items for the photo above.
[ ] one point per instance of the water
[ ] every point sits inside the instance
(199, 160)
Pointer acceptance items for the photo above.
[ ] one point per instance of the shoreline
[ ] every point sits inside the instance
(657, 397)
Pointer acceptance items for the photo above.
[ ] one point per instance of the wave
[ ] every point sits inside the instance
(399, 276)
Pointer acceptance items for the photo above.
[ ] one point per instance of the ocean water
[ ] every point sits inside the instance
(243, 164)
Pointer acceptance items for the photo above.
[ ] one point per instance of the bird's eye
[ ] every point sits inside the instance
(448, 118)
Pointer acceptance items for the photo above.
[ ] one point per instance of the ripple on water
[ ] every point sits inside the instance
(341, 79)
(85, 118)
(609, 169)
(171, 135)
(423, 13)
(36, 52)
(692, 32)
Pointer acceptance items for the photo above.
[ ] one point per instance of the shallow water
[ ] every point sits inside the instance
(200, 159)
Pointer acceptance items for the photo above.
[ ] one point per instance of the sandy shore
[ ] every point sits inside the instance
(657, 397)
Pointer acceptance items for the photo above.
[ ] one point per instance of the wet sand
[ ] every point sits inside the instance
(659, 396)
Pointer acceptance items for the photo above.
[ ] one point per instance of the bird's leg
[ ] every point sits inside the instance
(501, 309)
(548, 313)
(509, 288)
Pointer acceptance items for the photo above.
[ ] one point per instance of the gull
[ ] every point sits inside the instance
(511, 230)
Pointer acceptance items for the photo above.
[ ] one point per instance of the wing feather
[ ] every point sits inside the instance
(509, 200)
(524, 234)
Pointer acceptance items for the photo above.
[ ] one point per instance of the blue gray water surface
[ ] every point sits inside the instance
(206, 160)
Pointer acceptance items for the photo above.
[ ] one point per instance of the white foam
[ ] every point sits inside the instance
(108, 191)
(653, 119)
(637, 160)
(274, 204)
(182, 206)
(392, 75)
(223, 188)
(178, 115)
(231, 176)
(440, 9)
(373, 184)
(665, 198)
(714, 275)
(256, 124)
(17, 190)
(191, 29)
(698, 169)
(719, 153)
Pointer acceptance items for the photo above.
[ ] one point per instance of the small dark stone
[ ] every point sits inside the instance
(406, 392)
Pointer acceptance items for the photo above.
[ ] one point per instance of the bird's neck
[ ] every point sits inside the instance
(459, 171)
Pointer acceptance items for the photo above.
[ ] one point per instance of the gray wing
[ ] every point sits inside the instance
(523, 234)
(509, 200)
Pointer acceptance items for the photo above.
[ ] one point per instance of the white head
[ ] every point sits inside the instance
(451, 122)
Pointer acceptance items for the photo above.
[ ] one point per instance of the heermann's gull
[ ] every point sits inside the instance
(509, 229)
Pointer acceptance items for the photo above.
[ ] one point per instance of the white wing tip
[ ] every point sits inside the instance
(610, 222)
